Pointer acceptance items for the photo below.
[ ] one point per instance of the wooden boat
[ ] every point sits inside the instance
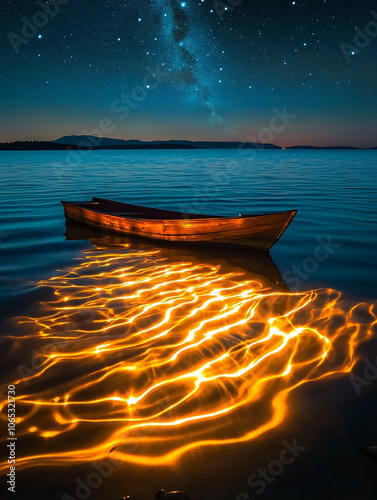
(257, 231)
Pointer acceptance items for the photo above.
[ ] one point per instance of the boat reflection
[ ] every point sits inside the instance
(257, 262)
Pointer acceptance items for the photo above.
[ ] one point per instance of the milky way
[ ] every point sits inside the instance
(176, 26)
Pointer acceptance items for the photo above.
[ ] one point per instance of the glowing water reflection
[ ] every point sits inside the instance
(146, 358)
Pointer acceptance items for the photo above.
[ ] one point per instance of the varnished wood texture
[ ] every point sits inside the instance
(257, 231)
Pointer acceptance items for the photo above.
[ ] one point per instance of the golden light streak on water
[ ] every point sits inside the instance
(151, 358)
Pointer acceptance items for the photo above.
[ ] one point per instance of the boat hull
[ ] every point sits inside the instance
(261, 231)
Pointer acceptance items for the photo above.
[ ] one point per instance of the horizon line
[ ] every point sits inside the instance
(180, 141)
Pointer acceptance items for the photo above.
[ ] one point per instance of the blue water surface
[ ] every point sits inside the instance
(331, 242)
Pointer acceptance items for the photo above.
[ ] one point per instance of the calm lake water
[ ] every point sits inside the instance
(107, 320)
(334, 191)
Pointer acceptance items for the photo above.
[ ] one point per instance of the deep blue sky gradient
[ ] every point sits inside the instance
(222, 73)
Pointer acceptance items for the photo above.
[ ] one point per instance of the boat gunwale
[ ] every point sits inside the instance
(195, 218)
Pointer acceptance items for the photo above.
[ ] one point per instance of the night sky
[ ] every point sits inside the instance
(222, 69)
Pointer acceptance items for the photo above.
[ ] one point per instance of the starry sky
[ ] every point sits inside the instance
(193, 69)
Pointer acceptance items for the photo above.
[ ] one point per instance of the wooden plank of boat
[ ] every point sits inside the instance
(257, 231)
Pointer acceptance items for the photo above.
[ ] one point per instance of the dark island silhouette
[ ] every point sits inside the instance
(67, 146)
(109, 143)
(38, 146)
(85, 142)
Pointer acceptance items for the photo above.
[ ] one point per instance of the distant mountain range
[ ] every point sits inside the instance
(93, 142)
(106, 143)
